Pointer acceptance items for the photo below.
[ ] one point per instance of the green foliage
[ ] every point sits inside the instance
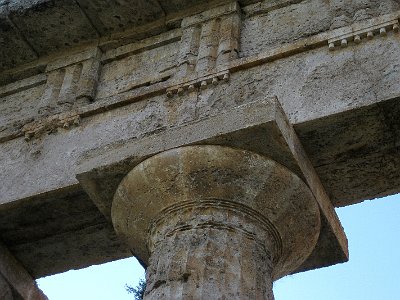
(138, 291)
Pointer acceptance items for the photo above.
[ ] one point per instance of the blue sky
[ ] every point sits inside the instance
(373, 272)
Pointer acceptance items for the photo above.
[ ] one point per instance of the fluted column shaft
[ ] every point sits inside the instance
(211, 249)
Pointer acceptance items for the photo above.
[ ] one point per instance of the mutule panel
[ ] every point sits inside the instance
(14, 49)
(52, 25)
(109, 16)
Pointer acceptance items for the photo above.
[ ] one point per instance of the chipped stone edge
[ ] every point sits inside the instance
(312, 180)
(50, 124)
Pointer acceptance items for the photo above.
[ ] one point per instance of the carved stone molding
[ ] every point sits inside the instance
(210, 41)
(201, 83)
(71, 81)
(361, 31)
(219, 221)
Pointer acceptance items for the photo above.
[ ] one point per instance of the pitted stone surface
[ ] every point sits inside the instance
(14, 50)
(201, 173)
(52, 25)
(343, 104)
(111, 16)
(211, 249)
(15, 282)
(5, 290)
(55, 234)
(281, 24)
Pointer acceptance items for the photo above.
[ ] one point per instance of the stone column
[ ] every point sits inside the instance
(5, 290)
(213, 222)
(15, 281)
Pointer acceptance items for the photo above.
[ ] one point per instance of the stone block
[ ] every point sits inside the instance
(260, 127)
(49, 26)
(15, 281)
(108, 17)
(59, 231)
(14, 49)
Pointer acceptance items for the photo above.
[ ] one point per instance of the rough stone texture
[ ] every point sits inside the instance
(260, 127)
(100, 106)
(39, 155)
(53, 233)
(5, 290)
(299, 99)
(34, 28)
(15, 282)
(108, 16)
(15, 50)
(137, 70)
(202, 196)
(51, 25)
(210, 256)
(20, 105)
(274, 25)
(318, 83)
(366, 140)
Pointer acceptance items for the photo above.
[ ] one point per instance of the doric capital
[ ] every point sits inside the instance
(179, 185)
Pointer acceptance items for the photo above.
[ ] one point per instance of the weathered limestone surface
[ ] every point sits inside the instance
(89, 90)
(5, 290)
(270, 23)
(216, 222)
(350, 79)
(31, 29)
(15, 282)
(259, 126)
(53, 231)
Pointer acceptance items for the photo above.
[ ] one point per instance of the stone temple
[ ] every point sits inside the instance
(210, 139)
